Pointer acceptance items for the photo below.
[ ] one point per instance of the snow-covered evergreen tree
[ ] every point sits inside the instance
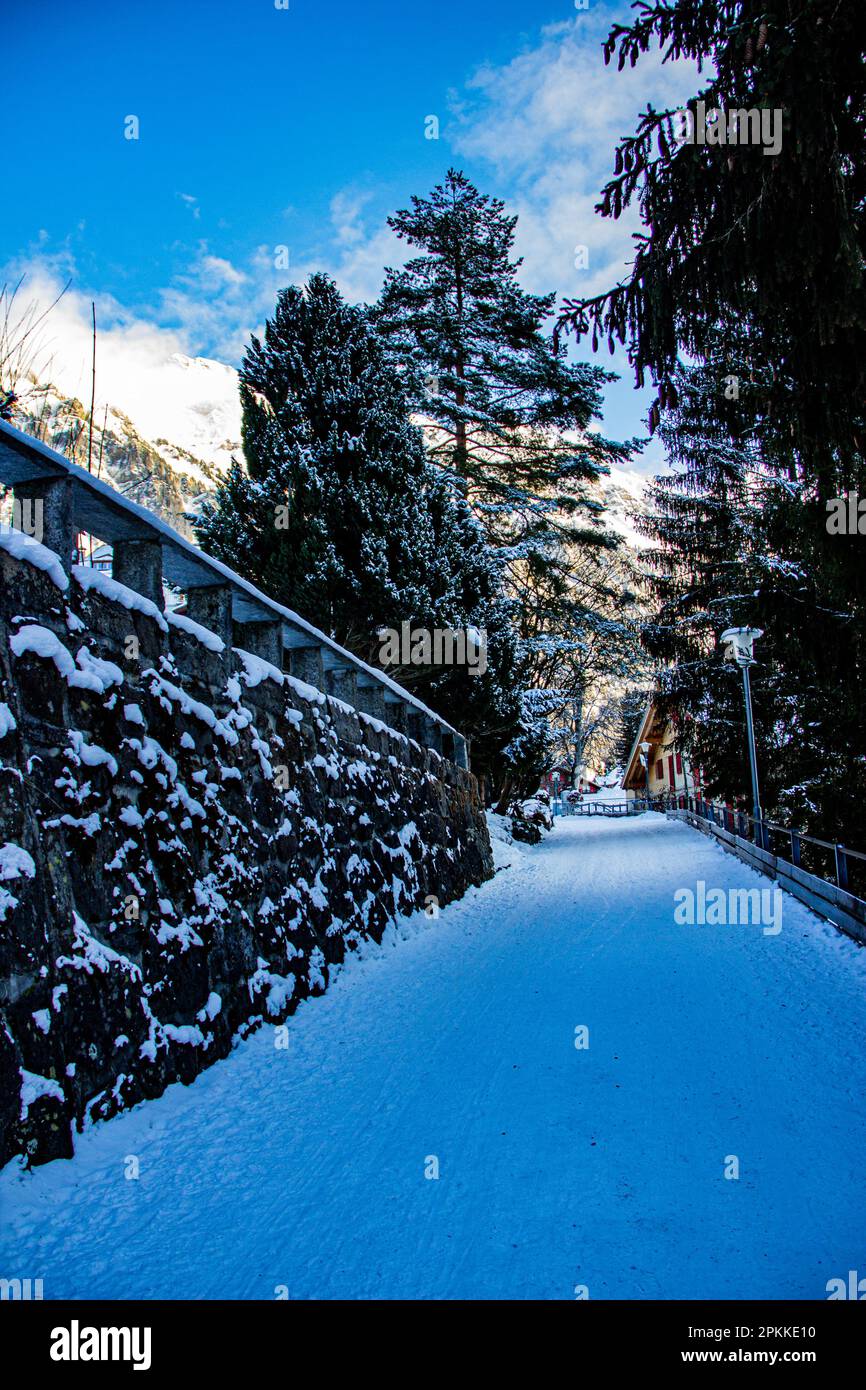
(508, 420)
(473, 345)
(339, 515)
(630, 710)
(753, 268)
(738, 542)
(329, 514)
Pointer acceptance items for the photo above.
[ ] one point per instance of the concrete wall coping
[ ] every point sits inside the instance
(104, 512)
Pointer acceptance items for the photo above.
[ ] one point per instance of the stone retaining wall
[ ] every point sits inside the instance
(190, 842)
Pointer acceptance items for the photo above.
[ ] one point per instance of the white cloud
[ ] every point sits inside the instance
(547, 122)
(192, 203)
(156, 363)
(359, 268)
(216, 273)
(143, 369)
(346, 209)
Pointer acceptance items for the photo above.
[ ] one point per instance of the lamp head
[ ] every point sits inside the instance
(739, 644)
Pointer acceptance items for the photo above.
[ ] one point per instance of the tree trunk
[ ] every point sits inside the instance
(505, 796)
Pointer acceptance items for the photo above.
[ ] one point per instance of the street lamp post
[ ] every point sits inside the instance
(739, 647)
(644, 757)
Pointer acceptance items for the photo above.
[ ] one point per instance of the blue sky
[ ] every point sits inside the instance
(262, 128)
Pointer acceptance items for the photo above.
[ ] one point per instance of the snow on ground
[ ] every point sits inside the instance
(302, 1170)
(612, 793)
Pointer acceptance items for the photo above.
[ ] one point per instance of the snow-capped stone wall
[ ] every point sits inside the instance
(190, 842)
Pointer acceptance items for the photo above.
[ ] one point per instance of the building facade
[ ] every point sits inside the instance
(670, 773)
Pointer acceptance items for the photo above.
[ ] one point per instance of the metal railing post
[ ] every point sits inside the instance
(724, 816)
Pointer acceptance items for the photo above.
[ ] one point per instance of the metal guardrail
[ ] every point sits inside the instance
(612, 808)
(837, 905)
(772, 838)
(738, 832)
(825, 859)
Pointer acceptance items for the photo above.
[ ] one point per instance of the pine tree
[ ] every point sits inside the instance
(733, 232)
(339, 515)
(466, 595)
(752, 267)
(737, 544)
(329, 514)
(481, 368)
(630, 711)
(704, 520)
(508, 421)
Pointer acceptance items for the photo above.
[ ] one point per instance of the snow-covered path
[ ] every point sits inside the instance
(604, 1167)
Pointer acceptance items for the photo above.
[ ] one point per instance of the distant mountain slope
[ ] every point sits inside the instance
(624, 497)
(170, 456)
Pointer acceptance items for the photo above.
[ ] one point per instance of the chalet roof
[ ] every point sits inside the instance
(651, 730)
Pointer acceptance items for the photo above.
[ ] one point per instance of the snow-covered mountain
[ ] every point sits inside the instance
(165, 448)
(623, 495)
